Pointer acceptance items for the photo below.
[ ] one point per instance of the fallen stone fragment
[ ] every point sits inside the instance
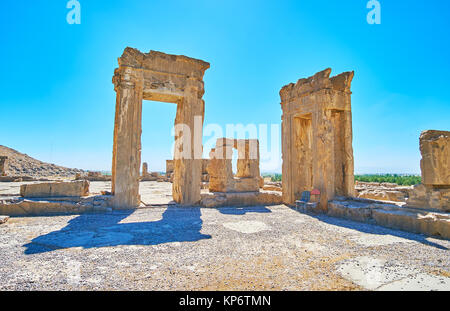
(56, 189)
(3, 219)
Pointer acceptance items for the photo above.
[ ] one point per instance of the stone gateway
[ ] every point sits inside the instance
(159, 77)
(317, 137)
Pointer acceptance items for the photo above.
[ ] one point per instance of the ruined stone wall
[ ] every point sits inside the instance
(247, 178)
(435, 162)
(317, 137)
(434, 192)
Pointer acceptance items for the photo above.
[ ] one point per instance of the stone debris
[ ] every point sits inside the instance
(93, 176)
(55, 189)
(382, 191)
(3, 219)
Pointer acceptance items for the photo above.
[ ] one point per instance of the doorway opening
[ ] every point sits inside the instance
(157, 142)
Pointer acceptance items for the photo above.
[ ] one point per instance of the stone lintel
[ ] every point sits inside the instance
(315, 83)
(163, 63)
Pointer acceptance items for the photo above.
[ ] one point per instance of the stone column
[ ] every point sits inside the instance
(349, 177)
(3, 165)
(287, 146)
(188, 155)
(127, 138)
(144, 169)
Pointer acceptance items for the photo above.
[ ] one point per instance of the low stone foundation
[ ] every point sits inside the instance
(220, 199)
(54, 206)
(391, 216)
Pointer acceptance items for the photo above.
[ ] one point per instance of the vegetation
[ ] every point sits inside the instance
(274, 177)
(402, 180)
(399, 179)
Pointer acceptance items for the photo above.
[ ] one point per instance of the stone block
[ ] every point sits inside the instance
(55, 189)
(435, 162)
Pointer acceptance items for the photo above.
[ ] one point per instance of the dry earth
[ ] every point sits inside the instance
(254, 248)
(23, 165)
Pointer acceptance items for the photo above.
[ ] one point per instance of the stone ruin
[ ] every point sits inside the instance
(434, 191)
(3, 165)
(170, 170)
(159, 77)
(317, 137)
(242, 188)
(247, 178)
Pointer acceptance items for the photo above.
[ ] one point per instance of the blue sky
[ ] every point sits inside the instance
(57, 99)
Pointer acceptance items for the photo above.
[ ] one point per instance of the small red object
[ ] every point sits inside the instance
(315, 192)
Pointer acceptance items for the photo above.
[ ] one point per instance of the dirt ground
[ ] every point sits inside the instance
(175, 248)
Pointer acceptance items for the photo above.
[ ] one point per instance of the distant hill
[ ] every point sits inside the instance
(20, 164)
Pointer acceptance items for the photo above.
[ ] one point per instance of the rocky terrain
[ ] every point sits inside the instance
(382, 191)
(20, 164)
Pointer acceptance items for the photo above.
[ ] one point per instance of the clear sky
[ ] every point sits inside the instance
(57, 100)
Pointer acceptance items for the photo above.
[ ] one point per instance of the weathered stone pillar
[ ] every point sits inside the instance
(188, 160)
(144, 169)
(167, 78)
(3, 165)
(434, 191)
(127, 138)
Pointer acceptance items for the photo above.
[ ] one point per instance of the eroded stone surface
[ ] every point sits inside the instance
(382, 191)
(434, 192)
(379, 274)
(159, 77)
(435, 162)
(220, 169)
(55, 189)
(317, 137)
(392, 216)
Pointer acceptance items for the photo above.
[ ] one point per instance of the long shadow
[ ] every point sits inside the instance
(104, 230)
(372, 228)
(243, 210)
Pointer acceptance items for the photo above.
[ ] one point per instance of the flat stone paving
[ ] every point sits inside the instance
(254, 248)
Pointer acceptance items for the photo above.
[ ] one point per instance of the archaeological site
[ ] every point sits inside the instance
(317, 198)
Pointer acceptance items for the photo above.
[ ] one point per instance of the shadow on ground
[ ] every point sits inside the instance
(104, 230)
(372, 229)
(243, 210)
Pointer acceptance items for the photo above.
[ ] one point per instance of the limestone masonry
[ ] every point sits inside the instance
(434, 192)
(317, 137)
(160, 77)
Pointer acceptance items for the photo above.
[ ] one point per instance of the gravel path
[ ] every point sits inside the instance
(255, 248)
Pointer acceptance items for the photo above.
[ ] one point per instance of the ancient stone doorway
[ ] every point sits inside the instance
(317, 137)
(166, 78)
